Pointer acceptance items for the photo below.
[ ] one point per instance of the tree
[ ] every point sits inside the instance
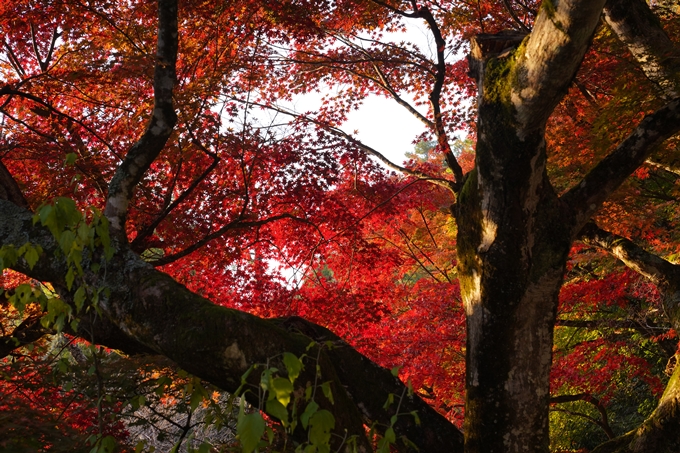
(178, 179)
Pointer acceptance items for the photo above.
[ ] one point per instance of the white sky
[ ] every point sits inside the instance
(381, 123)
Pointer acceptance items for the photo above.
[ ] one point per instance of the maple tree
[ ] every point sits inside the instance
(156, 180)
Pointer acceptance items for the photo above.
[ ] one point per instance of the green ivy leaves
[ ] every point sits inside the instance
(281, 401)
(75, 235)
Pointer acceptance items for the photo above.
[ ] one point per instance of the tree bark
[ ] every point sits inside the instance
(513, 239)
(639, 29)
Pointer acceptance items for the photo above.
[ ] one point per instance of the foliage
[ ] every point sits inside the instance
(278, 212)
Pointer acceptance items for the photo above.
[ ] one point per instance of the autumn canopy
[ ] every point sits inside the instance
(181, 244)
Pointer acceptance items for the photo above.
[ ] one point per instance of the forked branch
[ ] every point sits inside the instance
(160, 126)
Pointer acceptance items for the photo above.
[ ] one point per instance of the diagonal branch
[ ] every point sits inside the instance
(237, 224)
(514, 16)
(546, 63)
(585, 198)
(160, 126)
(219, 344)
(383, 82)
(639, 29)
(656, 269)
(25, 333)
(139, 240)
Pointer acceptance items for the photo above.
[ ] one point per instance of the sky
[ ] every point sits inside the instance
(381, 123)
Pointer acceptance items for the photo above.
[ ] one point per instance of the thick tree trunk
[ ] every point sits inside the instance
(513, 235)
(512, 251)
(515, 232)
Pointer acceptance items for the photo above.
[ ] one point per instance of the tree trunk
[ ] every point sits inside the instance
(512, 251)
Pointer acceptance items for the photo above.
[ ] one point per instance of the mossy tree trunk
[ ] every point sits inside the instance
(515, 232)
(512, 251)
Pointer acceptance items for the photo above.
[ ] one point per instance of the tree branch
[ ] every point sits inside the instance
(25, 333)
(663, 273)
(639, 29)
(220, 344)
(435, 98)
(548, 61)
(603, 422)
(514, 16)
(586, 198)
(448, 184)
(160, 126)
(138, 242)
(656, 269)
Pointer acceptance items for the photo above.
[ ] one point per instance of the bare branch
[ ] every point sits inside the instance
(448, 184)
(514, 16)
(238, 224)
(663, 273)
(138, 242)
(435, 96)
(656, 269)
(669, 168)
(14, 61)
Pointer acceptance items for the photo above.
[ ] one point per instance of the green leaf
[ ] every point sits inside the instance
(32, 255)
(266, 377)
(281, 388)
(293, 365)
(415, 417)
(250, 429)
(326, 388)
(395, 371)
(196, 398)
(67, 212)
(390, 401)
(321, 424)
(70, 158)
(85, 233)
(79, 298)
(276, 409)
(139, 448)
(310, 410)
(70, 276)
